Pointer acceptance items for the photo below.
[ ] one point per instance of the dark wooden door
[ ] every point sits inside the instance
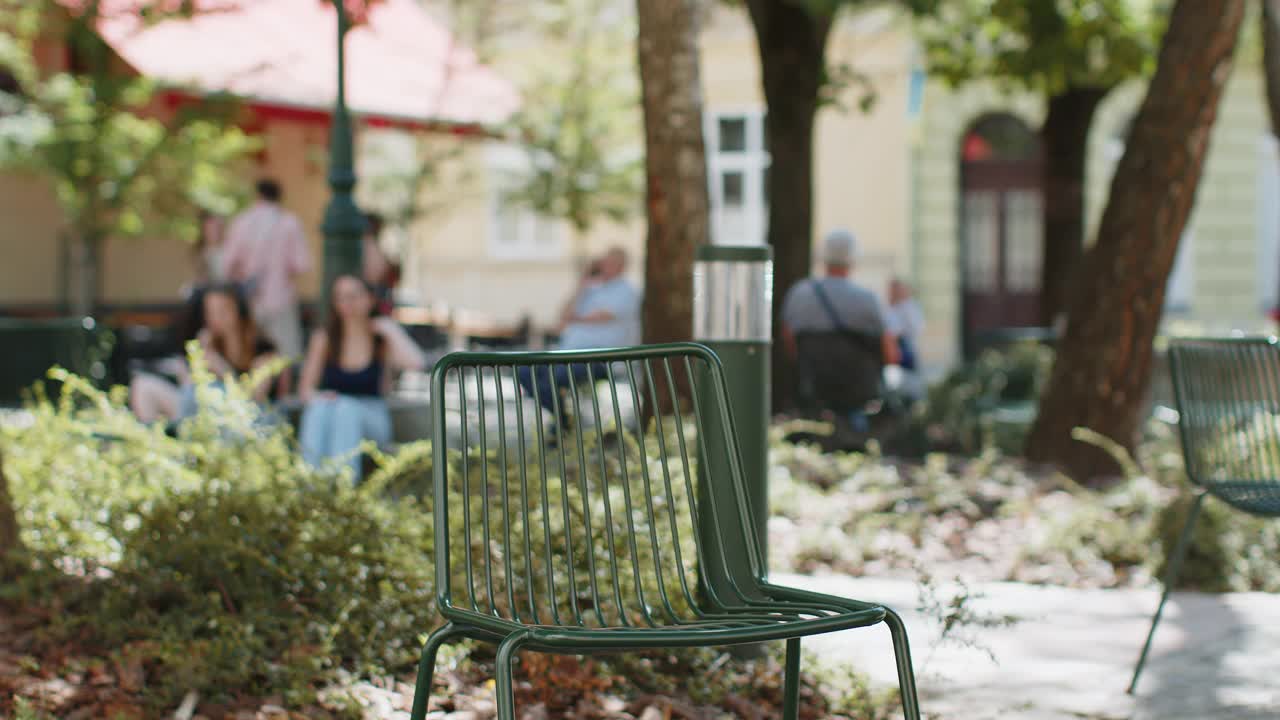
(1001, 244)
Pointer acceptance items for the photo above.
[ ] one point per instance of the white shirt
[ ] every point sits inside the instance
(905, 319)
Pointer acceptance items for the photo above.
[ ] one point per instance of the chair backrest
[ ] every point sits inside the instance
(598, 526)
(1228, 397)
(840, 371)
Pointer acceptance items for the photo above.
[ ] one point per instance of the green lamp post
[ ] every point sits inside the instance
(344, 224)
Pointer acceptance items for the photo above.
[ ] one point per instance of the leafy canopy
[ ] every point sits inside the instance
(1045, 46)
(580, 125)
(120, 161)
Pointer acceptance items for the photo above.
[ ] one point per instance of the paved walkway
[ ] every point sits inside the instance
(1071, 654)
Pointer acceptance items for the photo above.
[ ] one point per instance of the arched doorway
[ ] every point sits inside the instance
(1001, 244)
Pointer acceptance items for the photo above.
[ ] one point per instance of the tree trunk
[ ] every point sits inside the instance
(792, 39)
(1271, 61)
(1104, 359)
(677, 201)
(87, 293)
(675, 166)
(1065, 138)
(9, 540)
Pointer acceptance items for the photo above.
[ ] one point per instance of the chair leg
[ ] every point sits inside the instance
(506, 688)
(1170, 579)
(427, 668)
(906, 675)
(791, 691)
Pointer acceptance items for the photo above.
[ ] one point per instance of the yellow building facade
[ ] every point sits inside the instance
(894, 174)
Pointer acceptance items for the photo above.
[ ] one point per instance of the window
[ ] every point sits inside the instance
(982, 240)
(516, 232)
(738, 174)
(1025, 237)
(1268, 222)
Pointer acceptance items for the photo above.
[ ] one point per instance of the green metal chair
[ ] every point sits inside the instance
(1228, 397)
(585, 542)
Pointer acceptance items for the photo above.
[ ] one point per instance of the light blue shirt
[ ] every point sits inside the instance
(621, 300)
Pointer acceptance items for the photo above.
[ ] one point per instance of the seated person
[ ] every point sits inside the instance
(837, 332)
(231, 344)
(347, 375)
(604, 312)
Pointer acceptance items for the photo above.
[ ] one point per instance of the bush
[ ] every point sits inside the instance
(989, 402)
(1002, 520)
(217, 561)
(1230, 551)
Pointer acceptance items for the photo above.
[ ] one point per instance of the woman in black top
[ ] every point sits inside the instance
(347, 375)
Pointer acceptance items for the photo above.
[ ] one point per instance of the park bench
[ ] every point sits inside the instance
(600, 542)
(1227, 393)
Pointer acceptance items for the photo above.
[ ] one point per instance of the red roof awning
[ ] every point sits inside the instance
(402, 66)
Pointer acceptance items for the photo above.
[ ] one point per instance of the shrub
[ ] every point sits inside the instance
(963, 412)
(217, 561)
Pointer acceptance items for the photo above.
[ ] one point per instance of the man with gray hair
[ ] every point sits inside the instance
(838, 333)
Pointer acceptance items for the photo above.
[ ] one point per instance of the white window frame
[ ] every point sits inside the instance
(752, 162)
(537, 237)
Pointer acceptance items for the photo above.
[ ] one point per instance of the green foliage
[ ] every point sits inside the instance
(1004, 521)
(1230, 551)
(988, 402)
(396, 172)
(217, 561)
(1045, 46)
(581, 126)
(121, 164)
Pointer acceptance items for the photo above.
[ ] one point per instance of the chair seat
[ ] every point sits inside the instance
(759, 622)
(1250, 496)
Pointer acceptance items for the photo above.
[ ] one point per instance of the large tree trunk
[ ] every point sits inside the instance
(1271, 61)
(1104, 360)
(87, 291)
(1065, 138)
(9, 540)
(792, 39)
(675, 164)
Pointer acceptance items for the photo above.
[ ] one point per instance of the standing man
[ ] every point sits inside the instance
(839, 334)
(266, 252)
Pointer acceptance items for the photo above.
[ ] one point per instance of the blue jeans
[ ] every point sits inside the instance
(335, 426)
(908, 352)
(551, 379)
